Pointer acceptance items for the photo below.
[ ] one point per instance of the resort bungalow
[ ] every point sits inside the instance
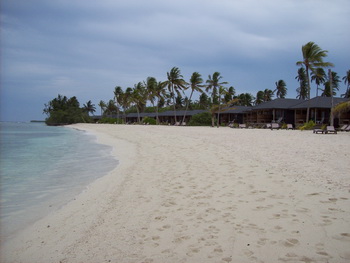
(168, 117)
(278, 110)
(320, 109)
(234, 114)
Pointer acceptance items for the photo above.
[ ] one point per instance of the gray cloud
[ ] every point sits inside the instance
(86, 48)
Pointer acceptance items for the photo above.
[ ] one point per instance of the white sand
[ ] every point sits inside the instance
(191, 194)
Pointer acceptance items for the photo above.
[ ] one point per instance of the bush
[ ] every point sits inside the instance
(308, 126)
(109, 120)
(149, 120)
(201, 119)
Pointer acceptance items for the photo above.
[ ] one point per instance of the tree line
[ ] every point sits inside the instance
(214, 93)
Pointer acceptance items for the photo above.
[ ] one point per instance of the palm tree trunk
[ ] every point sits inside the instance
(308, 94)
(188, 103)
(218, 121)
(174, 102)
(138, 115)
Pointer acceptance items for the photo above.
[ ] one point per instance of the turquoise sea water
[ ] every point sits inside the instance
(43, 168)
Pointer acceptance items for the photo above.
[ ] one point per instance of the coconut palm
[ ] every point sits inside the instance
(111, 107)
(89, 107)
(319, 76)
(347, 82)
(126, 100)
(150, 86)
(312, 58)
(102, 105)
(268, 94)
(160, 93)
(195, 85)
(222, 92)
(341, 107)
(302, 90)
(138, 98)
(245, 99)
(231, 92)
(327, 91)
(204, 101)
(281, 89)
(213, 84)
(118, 96)
(175, 83)
(259, 97)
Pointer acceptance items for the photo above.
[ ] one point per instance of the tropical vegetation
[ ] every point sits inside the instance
(213, 94)
(62, 110)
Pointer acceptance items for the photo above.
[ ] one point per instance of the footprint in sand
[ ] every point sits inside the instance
(290, 242)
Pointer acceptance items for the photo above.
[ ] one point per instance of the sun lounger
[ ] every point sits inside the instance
(242, 126)
(330, 129)
(347, 129)
(275, 126)
(268, 126)
(344, 127)
(183, 123)
(290, 127)
(318, 131)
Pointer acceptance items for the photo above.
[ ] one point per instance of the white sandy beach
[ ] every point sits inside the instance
(201, 194)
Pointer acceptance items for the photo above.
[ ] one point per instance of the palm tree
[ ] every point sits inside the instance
(259, 97)
(222, 92)
(319, 76)
(111, 107)
(302, 90)
(118, 96)
(150, 86)
(89, 107)
(195, 85)
(281, 89)
(126, 100)
(175, 83)
(103, 106)
(312, 58)
(213, 83)
(160, 93)
(327, 91)
(268, 94)
(204, 101)
(245, 99)
(341, 107)
(347, 82)
(231, 92)
(138, 98)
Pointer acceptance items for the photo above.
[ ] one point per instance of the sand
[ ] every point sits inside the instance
(201, 194)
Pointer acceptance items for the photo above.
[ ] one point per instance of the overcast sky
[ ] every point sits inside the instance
(85, 48)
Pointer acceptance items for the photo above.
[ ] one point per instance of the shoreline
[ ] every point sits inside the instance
(200, 194)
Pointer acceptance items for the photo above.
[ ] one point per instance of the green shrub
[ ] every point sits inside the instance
(149, 120)
(201, 119)
(308, 126)
(284, 126)
(109, 120)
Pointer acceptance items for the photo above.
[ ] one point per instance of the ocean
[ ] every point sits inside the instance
(42, 168)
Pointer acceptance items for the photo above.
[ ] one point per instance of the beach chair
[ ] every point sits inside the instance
(268, 126)
(275, 126)
(319, 131)
(242, 126)
(344, 127)
(279, 120)
(183, 123)
(177, 123)
(330, 129)
(347, 129)
(290, 127)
